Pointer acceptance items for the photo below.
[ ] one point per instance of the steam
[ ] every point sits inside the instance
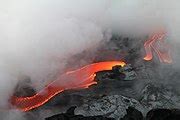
(37, 37)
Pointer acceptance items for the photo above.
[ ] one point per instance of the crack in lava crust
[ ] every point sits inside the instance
(78, 79)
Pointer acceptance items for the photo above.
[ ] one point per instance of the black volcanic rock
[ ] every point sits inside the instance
(132, 114)
(156, 95)
(69, 115)
(154, 114)
(163, 114)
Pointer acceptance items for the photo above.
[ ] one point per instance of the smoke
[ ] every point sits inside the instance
(12, 115)
(37, 37)
(142, 17)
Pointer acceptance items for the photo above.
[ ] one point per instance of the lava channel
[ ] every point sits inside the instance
(156, 43)
(78, 79)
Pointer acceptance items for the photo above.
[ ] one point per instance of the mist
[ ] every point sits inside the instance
(38, 37)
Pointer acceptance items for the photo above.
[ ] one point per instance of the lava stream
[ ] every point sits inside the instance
(78, 79)
(151, 44)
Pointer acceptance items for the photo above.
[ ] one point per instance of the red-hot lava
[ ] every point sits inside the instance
(79, 79)
(156, 42)
(84, 77)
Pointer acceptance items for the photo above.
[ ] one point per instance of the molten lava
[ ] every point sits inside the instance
(78, 79)
(156, 42)
(84, 77)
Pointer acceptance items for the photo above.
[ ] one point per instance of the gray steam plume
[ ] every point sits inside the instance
(37, 37)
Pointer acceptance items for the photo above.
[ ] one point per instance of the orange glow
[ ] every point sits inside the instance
(156, 43)
(78, 79)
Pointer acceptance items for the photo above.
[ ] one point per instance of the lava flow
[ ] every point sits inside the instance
(156, 42)
(78, 79)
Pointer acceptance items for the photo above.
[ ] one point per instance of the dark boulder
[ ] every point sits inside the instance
(163, 114)
(132, 114)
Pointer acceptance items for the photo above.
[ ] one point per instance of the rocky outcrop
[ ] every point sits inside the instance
(69, 115)
(112, 106)
(159, 96)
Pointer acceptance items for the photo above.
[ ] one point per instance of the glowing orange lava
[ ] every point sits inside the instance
(78, 79)
(156, 42)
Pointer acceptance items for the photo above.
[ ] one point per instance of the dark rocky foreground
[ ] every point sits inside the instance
(132, 114)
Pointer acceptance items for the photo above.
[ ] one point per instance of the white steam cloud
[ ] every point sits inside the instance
(37, 36)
